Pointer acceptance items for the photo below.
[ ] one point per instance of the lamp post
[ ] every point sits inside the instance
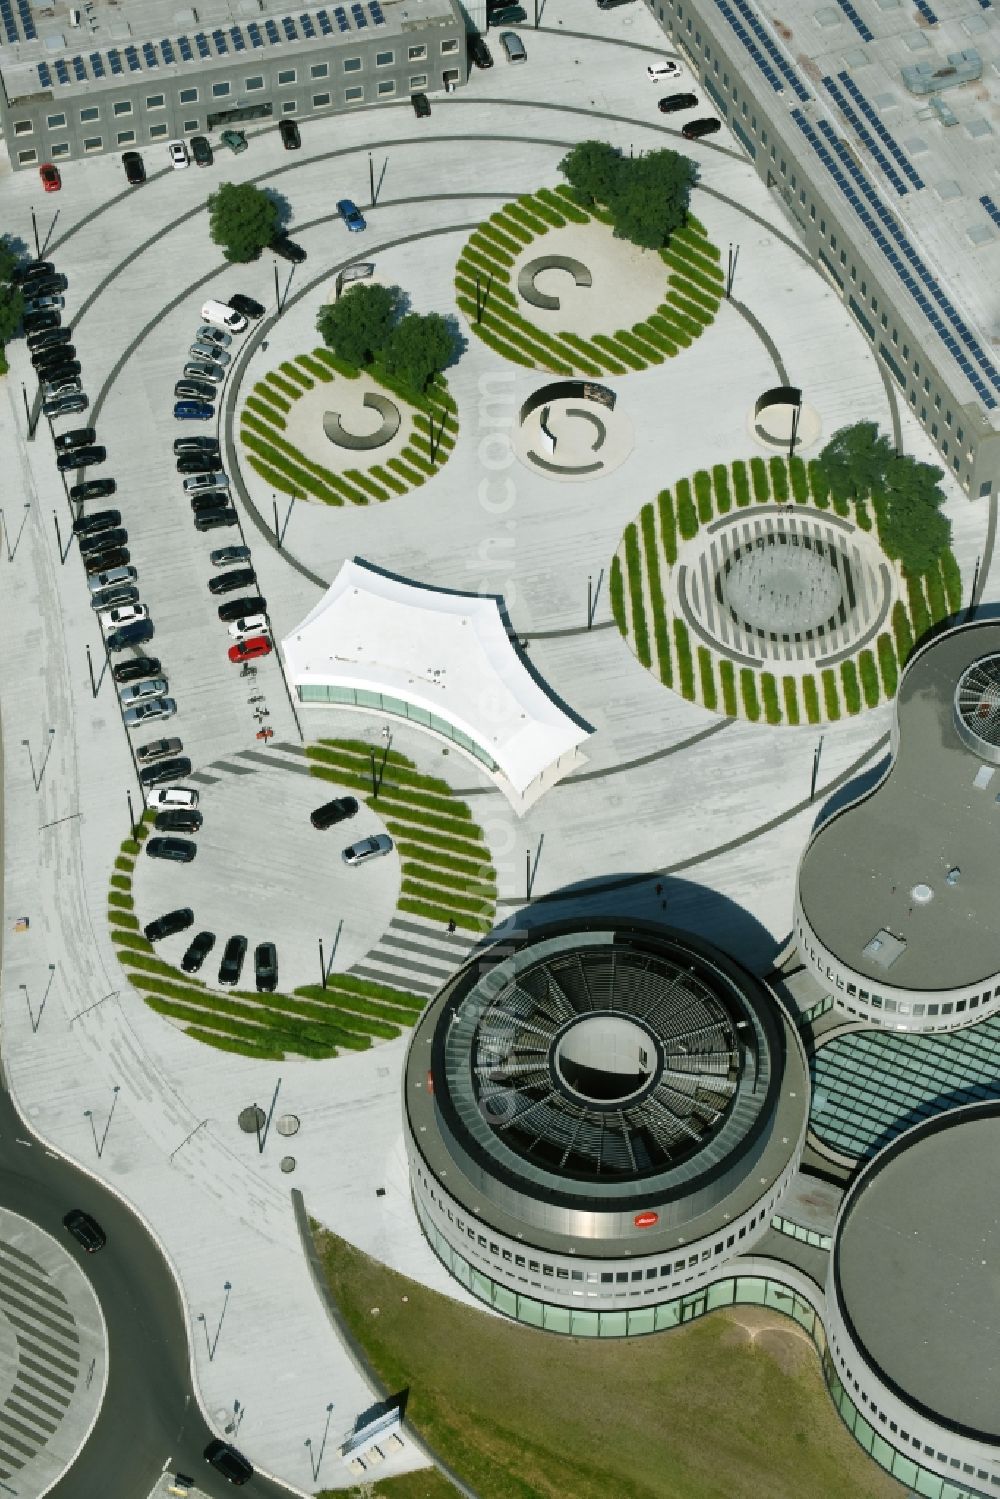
(371, 179)
(277, 288)
(131, 812)
(34, 230)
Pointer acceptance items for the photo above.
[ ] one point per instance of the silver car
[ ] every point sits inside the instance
(114, 575)
(225, 556)
(197, 483)
(118, 593)
(137, 691)
(208, 335)
(199, 369)
(70, 386)
(204, 350)
(150, 711)
(368, 848)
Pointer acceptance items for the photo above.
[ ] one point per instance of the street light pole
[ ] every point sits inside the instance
(322, 963)
(131, 812)
(277, 288)
(815, 772)
(34, 230)
(371, 179)
(27, 412)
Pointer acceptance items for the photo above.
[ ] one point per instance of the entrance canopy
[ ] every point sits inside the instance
(440, 659)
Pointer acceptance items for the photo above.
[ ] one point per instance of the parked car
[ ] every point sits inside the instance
(68, 385)
(265, 967)
(242, 608)
(180, 820)
(118, 594)
(290, 137)
(513, 46)
(226, 556)
(421, 106)
(65, 405)
(249, 650)
(82, 458)
(44, 286)
(137, 692)
(695, 129)
(249, 626)
(508, 15)
(157, 749)
(48, 338)
(287, 249)
(369, 848)
(209, 499)
(186, 445)
(658, 71)
(194, 390)
(673, 102)
(203, 369)
(194, 411)
(235, 139)
(137, 634)
(151, 712)
(92, 489)
(225, 1458)
(31, 268)
(198, 951)
(247, 307)
(351, 215)
(57, 374)
(51, 180)
(90, 545)
(47, 362)
(178, 156)
(135, 168)
(39, 301)
(98, 520)
(232, 960)
(240, 577)
(153, 775)
(339, 810)
(180, 850)
(612, 4)
(79, 437)
(38, 322)
(197, 463)
(201, 150)
(479, 52)
(110, 578)
(104, 561)
(212, 520)
(172, 796)
(115, 619)
(169, 924)
(202, 349)
(208, 335)
(86, 1230)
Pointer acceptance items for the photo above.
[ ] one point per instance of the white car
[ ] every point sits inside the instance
(151, 687)
(208, 335)
(198, 482)
(658, 71)
(250, 624)
(171, 796)
(204, 350)
(177, 151)
(113, 619)
(111, 577)
(149, 711)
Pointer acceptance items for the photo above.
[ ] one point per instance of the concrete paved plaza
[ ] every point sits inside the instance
(714, 812)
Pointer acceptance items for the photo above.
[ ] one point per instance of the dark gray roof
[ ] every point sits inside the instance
(927, 818)
(917, 1264)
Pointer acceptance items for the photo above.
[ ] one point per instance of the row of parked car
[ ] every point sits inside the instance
(692, 130)
(233, 954)
(50, 345)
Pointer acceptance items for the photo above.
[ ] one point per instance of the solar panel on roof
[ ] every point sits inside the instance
(271, 31)
(27, 20)
(44, 76)
(132, 58)
(219, 38)
(340, 16)
(239, 40)
(253, 32)
(77, 64)
(308, 29)
(184, 47)
(8, 25)
(325, 24)
(201, 42)
(289, 28)
(376, 11)
(148, 55)
(115, 61)
(167, 50)
(62, 71)
(97, 64)
(360, 19)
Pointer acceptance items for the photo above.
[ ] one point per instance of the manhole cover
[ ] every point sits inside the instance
(252, 1120)
(288, 1163)
(288, 1124)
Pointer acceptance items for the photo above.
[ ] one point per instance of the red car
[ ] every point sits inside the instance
(51, 180)
(245, 650)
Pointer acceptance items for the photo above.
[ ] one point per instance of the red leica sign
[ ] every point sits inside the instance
(646, 1220)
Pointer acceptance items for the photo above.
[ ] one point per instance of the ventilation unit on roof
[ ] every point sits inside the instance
(884, 949)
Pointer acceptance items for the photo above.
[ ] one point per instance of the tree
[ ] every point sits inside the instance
(417, 349)
(857, 460)
(592, 169)
(650, 198)
(357, 326)
(11, 300)
(911, 529)
(243, 220)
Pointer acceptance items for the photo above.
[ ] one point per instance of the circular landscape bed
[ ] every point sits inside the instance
(545, 283)
(750, 591)
(318, 428)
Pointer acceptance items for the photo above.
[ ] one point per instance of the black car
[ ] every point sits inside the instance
(479, 52)
(211, 520)
(80, 437)
(201, 150)
(25, 273)
(198, 463)
(134, 671)
(92, 489)
(157, 749)
(247, 306)
(101, 520)
(103, 562)
(68, 369)
(290, 137)
(232, 960)
(67, 404)
(135, 170)
(99, 542)
(116, 596)
(85, 1230)
(35, 322)
(81, 458)
(209, 499)
(168, 925)
(421, 105)
(48, 339)
(240, 577)
(230, 1463)
(339, 810)
(695, 129)
(195, 390)
(237, 608)
(287, 249)
(180, 850)
(179, 820)
(52, 357)
(195, 445)
(164, 771)
(136, 633)
(200, 947)
(673, 102)
(265, 967)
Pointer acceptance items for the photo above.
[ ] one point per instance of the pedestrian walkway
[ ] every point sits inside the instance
(52, 1358)
(414, 955)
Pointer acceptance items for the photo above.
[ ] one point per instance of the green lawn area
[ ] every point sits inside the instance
(697, 1413)
(426, 1483)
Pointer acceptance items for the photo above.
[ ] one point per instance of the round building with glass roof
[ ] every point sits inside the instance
(598, 1119)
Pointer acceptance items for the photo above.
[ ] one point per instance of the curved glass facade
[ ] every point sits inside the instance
(396, 707)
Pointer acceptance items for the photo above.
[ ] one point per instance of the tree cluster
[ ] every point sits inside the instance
(646, 198)
(243, 220)
(859, 461)
(368, 328)
(11, 299)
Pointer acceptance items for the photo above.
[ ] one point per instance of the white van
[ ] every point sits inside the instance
(222, 316)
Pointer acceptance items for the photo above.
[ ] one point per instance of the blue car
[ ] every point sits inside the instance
(194, 411)
(351, 215)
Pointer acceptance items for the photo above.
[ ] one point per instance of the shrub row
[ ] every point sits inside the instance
(633, 568)
(668, 525)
